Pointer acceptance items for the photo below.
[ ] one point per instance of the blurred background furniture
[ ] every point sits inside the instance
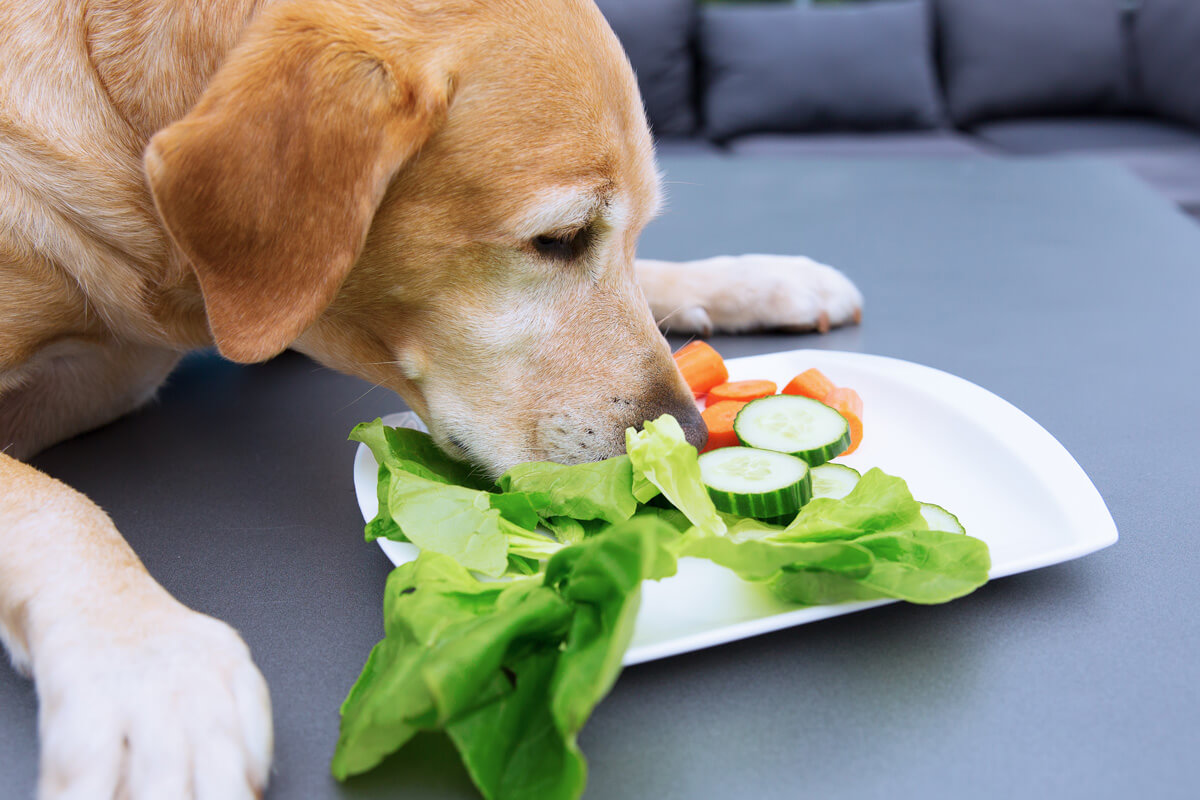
(1117, 80)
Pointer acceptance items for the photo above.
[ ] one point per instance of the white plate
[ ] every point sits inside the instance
(1009, 481)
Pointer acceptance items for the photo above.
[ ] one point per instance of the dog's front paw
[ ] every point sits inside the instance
(160, 705)
(735, 294)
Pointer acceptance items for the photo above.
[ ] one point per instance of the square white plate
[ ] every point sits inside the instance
(1006, 478)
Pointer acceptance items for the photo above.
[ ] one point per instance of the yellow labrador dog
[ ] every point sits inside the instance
(439, 196)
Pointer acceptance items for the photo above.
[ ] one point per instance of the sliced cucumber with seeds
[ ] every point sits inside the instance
(798, 426)
(755, 483)
(834, 480)
(939, 519)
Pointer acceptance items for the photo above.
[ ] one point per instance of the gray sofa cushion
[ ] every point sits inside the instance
(1084, 134)
(1007, 58)
(1167, 45)
(1173, 172)
(1165, 156)
(675, 146)
(905, 144)
(657, 36)
(863, 66)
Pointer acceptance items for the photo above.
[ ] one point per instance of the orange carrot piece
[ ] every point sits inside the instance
(847, 403)
(810, 383)
(719, 419)
(702, 367)
(742, 391)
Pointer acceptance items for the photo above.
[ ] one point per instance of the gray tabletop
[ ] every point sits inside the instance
(1065, 287)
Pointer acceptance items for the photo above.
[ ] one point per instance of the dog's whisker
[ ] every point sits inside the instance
(670, 314)
(360, 397)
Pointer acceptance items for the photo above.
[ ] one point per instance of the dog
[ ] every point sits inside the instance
(442, 197)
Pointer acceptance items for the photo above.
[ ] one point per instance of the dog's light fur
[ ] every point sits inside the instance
(365, 181)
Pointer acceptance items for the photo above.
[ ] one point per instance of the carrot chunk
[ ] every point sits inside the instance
(719, 419)
(810, 383)
(742, 391)
(702, 367)
(847, 403)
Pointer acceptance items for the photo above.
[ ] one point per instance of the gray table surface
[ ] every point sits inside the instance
(1065, 287)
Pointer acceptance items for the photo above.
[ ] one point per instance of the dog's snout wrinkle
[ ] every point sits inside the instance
(575, 438)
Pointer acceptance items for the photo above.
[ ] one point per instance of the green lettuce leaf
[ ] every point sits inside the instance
(910, 562)
(598, 490)
(446, 637)
(761, 559)
(870, 544)
(644, 489)
(423, 500)
(513, 748)
(662, 456)
(917, 566)
(383, 526)
(671, 516)
(523, 746)
(516, 507)
(573, 531)
(528, 544)
(603, 585)
(416, 452)
(451, 520)
(511, 671)
(878, 502)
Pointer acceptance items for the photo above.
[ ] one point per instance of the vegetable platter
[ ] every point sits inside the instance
(1011, 485)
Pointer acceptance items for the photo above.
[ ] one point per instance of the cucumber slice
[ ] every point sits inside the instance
(798, 426)
(834, 480)
(940, 519)
(755, 483)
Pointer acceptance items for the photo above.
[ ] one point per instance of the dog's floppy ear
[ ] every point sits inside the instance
(269, 184)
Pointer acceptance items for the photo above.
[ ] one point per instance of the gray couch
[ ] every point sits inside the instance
(1112, 79)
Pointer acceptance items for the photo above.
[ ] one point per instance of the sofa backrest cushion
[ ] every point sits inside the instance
(773, 69)
(1006, 58)
(1166, 55)
(657, 36)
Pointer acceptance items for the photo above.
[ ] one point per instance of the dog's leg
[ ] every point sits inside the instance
(744, 293)
(75, 385)
(139, 697)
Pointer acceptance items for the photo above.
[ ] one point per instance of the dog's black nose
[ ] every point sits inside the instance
(670, 395)
(694, 429)
(688, 417)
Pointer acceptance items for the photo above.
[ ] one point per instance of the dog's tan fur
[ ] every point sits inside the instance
(364, 181)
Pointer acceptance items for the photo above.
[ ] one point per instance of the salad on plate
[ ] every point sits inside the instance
(511, 624)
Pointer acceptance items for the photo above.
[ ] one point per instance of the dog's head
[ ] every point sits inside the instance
(443, 200)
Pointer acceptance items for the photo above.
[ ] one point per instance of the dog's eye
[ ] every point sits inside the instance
(561, 246)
